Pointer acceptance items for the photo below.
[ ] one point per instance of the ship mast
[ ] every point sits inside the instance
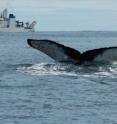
(5, 13)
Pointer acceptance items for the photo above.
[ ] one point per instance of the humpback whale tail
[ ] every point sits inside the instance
(62, 53)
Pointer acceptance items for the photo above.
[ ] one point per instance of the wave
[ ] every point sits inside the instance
(108, 71)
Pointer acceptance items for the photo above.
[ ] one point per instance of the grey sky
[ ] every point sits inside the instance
(66, 14)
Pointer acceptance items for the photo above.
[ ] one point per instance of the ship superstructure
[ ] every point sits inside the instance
(8, 23)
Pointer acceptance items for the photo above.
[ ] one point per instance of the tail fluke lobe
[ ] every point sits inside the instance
(55, 50)
(107, 54)
(29, 42)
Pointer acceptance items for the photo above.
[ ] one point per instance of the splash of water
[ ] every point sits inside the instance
(71, 70)
(47, 69)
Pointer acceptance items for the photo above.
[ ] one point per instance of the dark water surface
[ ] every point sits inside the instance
(36, 90)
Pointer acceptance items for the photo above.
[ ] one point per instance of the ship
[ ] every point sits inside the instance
(8, 23)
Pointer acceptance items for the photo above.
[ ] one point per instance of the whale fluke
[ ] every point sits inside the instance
(61, 53)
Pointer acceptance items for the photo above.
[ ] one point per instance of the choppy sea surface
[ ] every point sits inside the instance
(34, 89)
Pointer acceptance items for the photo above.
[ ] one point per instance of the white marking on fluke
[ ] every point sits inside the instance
(61, 53)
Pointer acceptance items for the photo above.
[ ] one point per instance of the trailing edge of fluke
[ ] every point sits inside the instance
(61, 53)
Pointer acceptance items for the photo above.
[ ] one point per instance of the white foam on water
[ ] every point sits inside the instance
(46, 69)
(109, 71)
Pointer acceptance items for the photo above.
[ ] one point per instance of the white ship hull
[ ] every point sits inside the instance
(15, 30)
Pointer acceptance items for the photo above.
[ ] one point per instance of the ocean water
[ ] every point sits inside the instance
(34, 89)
